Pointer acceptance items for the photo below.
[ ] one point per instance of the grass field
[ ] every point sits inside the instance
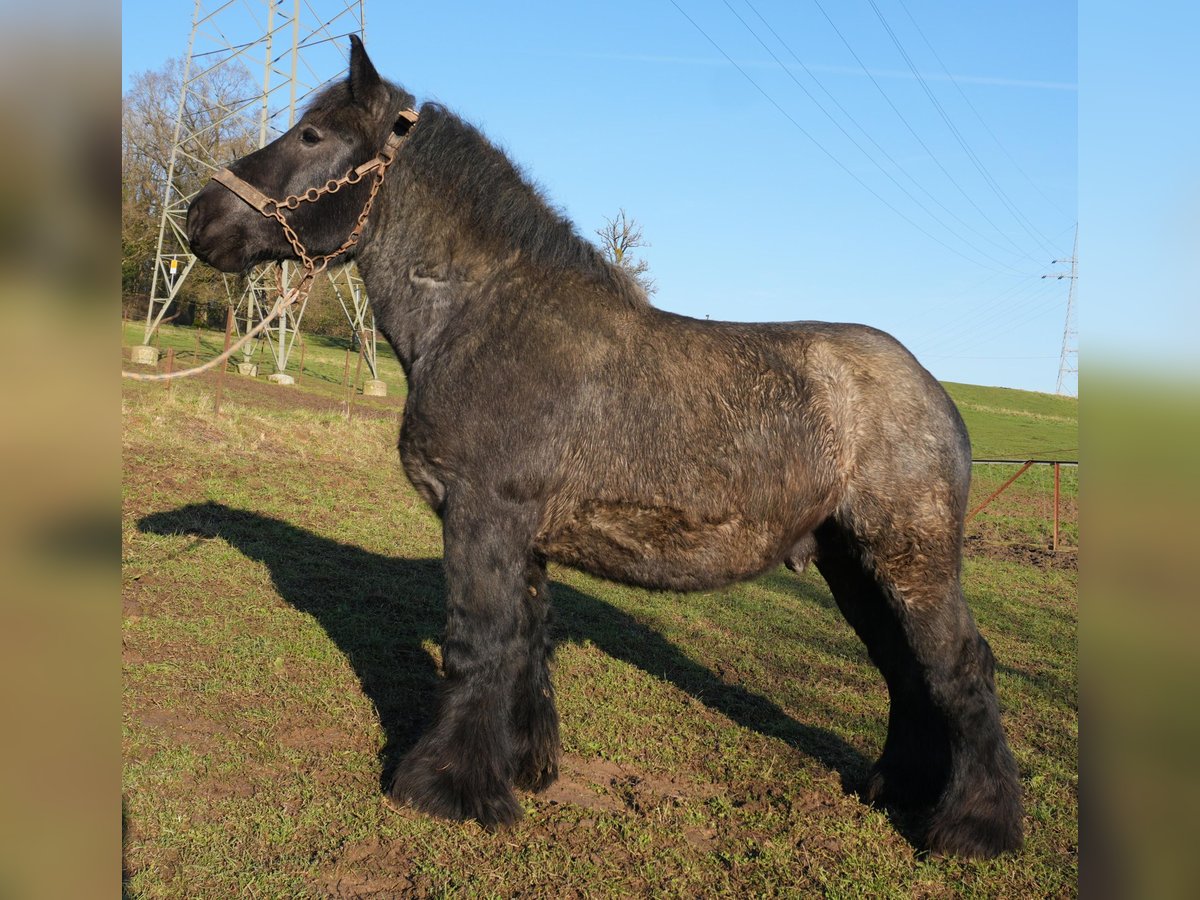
(282, 601)
(1010, 424)
(324, 359)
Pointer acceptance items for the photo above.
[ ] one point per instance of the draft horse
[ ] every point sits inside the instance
(554, 414)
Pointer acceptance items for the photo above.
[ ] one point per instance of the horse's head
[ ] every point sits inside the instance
(346, 126)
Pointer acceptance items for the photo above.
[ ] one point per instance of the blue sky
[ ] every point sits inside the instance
(931, 221)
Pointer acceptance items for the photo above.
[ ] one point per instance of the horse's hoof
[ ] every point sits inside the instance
(974, 838)
(434, 790)
(987, 827)
(537, 778)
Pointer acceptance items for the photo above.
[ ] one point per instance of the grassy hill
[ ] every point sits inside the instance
(1009, 424)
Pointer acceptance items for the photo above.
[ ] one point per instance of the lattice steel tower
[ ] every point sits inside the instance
(1068, 360)
(250, 65)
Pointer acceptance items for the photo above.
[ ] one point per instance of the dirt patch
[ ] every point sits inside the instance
(603, 785)
(317, 740)
(131, 609)
(141, 596)
(373, 869)
(595, 787)
(202, 432)
(357, 885)
(263, 394)
(215, 788)
(584, 783)
(182, 728)
(1025, 554)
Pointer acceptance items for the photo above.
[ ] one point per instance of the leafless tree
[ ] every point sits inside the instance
(618, 238)
(148, 113)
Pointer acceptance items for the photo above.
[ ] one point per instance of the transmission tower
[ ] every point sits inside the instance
(288, 50)
(1068, 360)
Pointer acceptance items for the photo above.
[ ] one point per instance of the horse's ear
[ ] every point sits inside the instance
(364, 80)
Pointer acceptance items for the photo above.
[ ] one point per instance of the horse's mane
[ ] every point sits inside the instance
(499, 205)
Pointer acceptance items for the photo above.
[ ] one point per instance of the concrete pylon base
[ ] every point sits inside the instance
(281, 378)
(250, 369)
(144, 355)
(373, 387)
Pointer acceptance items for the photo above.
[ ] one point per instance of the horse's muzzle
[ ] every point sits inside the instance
(209, 239)
(196, 220)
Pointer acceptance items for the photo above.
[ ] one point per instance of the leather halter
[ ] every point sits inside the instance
(273, 209)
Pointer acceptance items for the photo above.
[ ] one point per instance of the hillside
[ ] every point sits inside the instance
(1009, 424)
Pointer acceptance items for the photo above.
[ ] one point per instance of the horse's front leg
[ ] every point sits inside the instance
(464, 766)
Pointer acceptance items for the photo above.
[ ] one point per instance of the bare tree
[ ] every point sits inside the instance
(148, 113)
(618, 237)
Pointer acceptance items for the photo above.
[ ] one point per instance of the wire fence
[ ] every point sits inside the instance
(1033, 503)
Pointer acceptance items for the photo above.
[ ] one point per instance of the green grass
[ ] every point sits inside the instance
(282, 599)
(324, 357)
(1009, 424)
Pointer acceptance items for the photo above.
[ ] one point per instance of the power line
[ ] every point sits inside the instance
(852, 140)
(982, 328)
(925, 312)
(969, 318)
(932, 356)
(862, 65)
(971, 106)
(987, 176)
(989, 340)
(821, 146)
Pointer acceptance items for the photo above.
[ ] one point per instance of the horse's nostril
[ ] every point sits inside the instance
(193, 222)
(196, 220)
(194, 228)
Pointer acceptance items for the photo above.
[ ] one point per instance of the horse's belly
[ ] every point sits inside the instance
(665, 548)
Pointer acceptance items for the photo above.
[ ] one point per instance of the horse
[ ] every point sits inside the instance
(554, 414)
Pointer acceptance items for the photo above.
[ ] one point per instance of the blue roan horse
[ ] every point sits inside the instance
(554, 414)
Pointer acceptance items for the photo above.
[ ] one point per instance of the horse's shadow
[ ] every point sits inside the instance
(381, 611)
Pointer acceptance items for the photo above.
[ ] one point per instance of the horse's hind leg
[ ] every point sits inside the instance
(463, 766)
(535, 720)
(945, 746)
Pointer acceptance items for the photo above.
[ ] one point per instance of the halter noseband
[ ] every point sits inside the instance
(273, 209)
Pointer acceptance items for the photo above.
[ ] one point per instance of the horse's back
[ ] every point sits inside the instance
(858, 385)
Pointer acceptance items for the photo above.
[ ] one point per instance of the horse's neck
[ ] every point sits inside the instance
(412, 309)
(421, 267)
(414, 284)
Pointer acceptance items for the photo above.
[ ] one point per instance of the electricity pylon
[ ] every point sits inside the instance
(289, 50)
(1068, 360)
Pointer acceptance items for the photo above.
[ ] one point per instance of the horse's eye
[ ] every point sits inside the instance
(310, 135)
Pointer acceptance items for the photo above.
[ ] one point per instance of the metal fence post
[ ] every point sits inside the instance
(1056, 475)
(358, 369)
(1000, 490)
